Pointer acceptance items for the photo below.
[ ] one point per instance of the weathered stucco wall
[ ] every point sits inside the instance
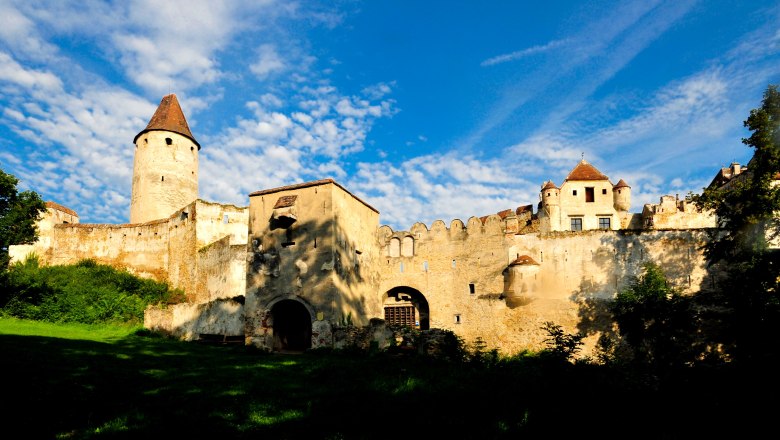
(216, 220)
(188, 321)
(142, 249)
(356, 276)
(314, 244)
(221, 271)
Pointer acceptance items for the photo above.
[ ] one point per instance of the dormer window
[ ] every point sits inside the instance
(285, 212)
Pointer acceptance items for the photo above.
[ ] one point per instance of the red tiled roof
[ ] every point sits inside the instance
(549, 185)
(504, 213)
(621, 184)
(585, 171)
(169, 117)
(58, 207)
(525, 208)
(523, 260)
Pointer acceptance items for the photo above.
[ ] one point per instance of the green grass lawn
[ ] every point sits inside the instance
(76, 381)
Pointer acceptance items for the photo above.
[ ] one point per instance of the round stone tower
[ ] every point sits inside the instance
(165, 168)
(621, 196)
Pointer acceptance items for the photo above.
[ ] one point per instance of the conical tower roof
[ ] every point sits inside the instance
(585, 171)
(549, 185)
(169, 117)
(621, 184)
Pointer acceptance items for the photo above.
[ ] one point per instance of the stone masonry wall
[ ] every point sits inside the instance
(576, 272)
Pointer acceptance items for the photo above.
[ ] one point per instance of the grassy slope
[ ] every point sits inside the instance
(66, 381)
(101, 333)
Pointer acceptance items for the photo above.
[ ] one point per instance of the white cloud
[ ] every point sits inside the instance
(12, 71)
(277, 148)
(268, 62)
(442, 187)
(524, 53)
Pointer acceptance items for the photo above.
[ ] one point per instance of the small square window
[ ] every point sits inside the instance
(604, 191)
(574, 193)
(457, 319)
(604, 223)
(576, 224)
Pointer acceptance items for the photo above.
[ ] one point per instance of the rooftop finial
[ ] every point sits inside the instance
(583, 155)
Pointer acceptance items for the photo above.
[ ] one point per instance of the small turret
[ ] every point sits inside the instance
(551, 194)
(621, 194)
(550, 208)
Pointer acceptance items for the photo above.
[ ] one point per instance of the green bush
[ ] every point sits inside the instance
(85, 292)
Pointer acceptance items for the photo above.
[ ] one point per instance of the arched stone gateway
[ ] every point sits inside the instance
(407, 306)
(291, 326)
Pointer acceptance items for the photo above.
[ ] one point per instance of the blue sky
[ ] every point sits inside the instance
(426, 110)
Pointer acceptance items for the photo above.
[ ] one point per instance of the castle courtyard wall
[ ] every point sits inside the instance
(142, 249)
(577, 273)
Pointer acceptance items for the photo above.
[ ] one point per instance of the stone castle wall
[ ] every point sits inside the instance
(462, 272)
(143, 249)
(166, 250)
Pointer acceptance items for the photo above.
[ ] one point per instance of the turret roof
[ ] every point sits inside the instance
(585, 171)
(169, 117)
(524, 260)
(621, 184)
(549, 185)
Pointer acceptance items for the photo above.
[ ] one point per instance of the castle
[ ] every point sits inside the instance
(301, 261)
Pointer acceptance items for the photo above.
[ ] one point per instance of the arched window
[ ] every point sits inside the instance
(407, 249)
(395, 247)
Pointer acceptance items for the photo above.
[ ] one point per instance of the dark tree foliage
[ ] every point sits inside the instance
(747, 211)
(561, 345)
(18, 213)
(655, 320)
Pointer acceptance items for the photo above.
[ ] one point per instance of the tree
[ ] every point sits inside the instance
(655, 320)
(18, 213)
(747, 212)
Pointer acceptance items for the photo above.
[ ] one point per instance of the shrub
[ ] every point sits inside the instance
(85, 292)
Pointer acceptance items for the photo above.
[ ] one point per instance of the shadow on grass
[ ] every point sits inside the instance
(151, 387)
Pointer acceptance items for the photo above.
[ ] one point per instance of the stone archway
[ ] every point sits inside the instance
(291, 326)
(407, 306)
